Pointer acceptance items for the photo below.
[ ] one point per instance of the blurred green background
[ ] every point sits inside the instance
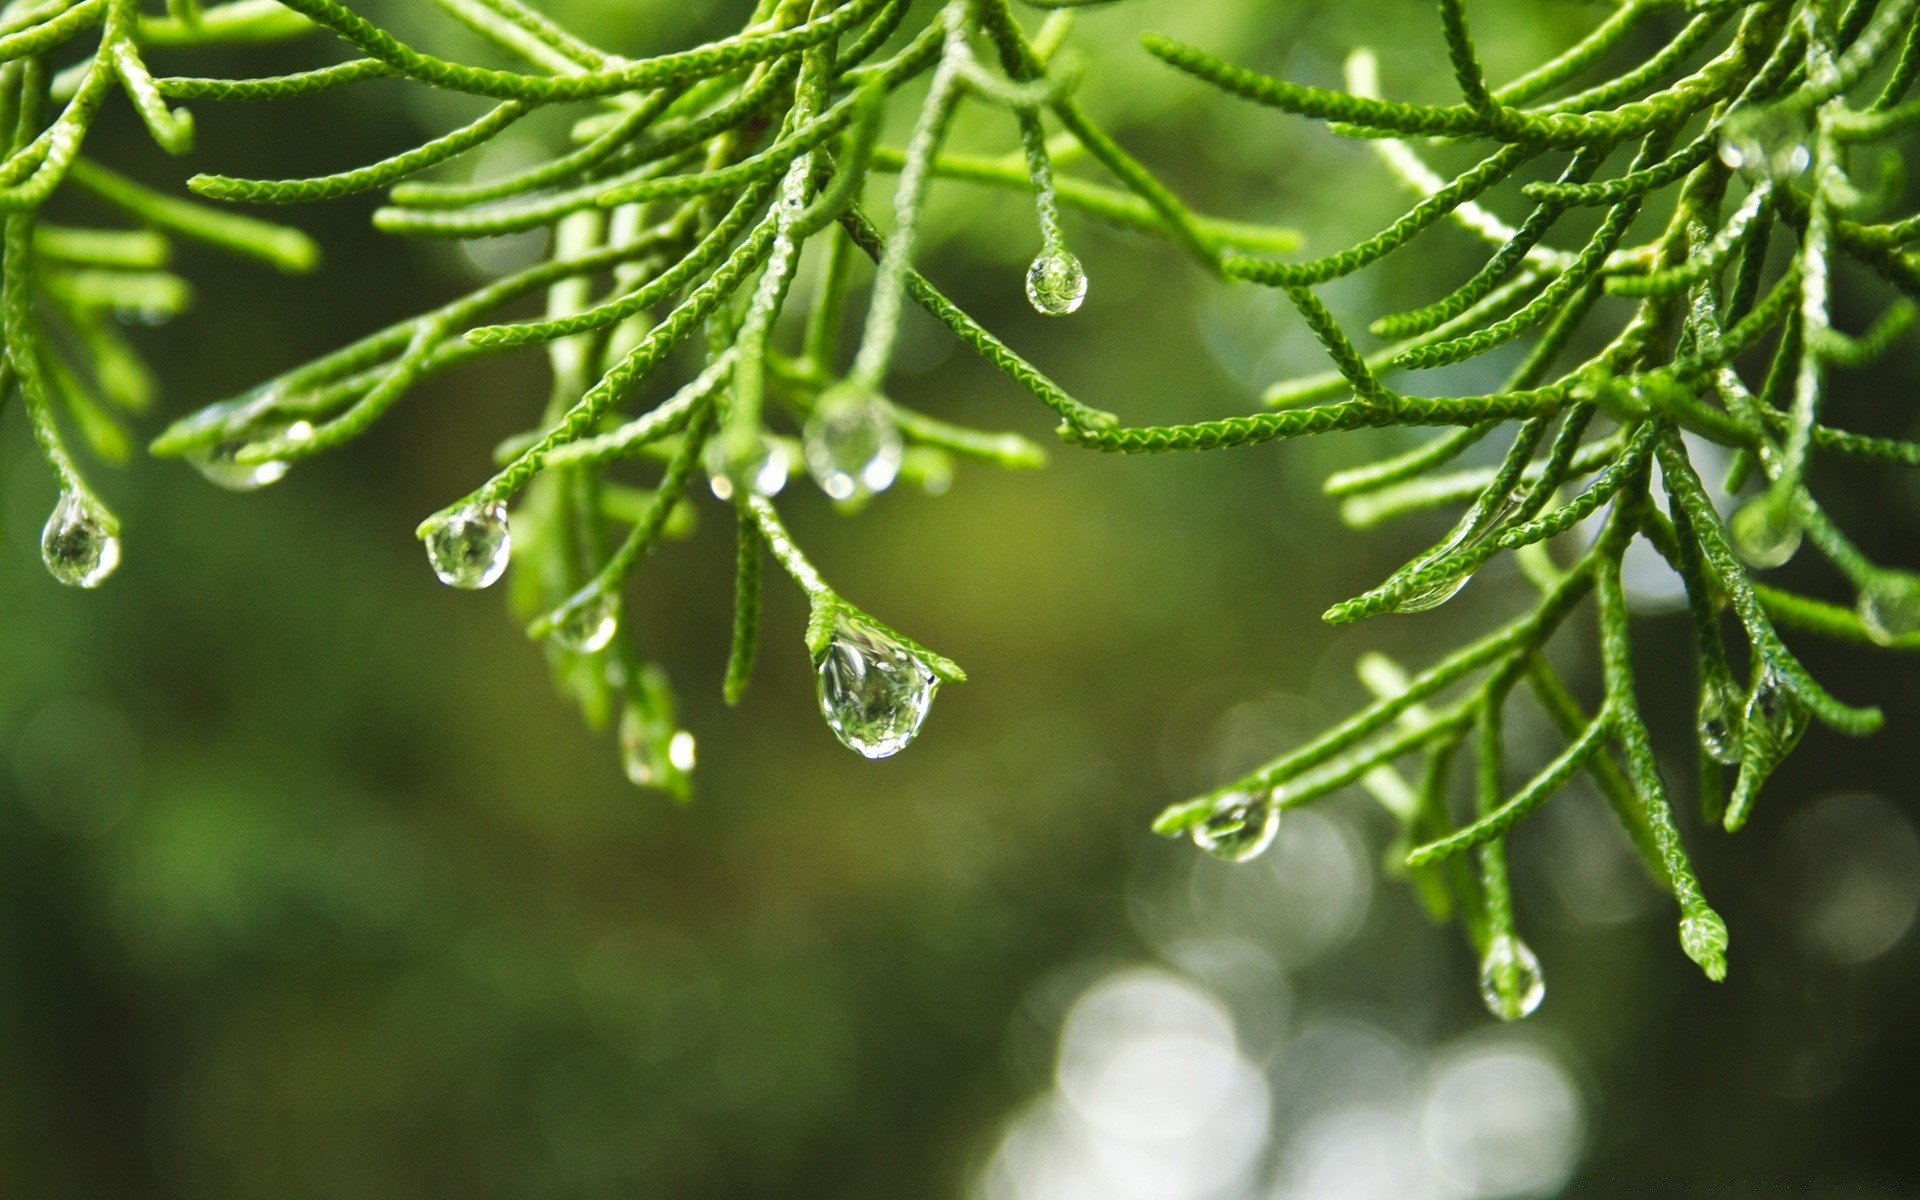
(311, 887)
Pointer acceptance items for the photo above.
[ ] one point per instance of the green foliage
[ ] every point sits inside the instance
(706, 226)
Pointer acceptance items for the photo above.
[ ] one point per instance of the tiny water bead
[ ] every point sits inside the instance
(1765, 531)
(471, 547)
(80, 544)
(765, 473)
(1056, 283)
(1890, 606)
(1703, 936)
(1511, 984)
(874, 692)
(586, 627)
(852, 444)
(1719, 724)
(1774, 718)
(1774, 142)
(1240, 827)
(650, 755)
(219, 464)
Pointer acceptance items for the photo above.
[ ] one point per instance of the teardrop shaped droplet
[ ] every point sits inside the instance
(470, 548)
(874, 692)
(81, 543)
(1765, 530)
(1772, 142)
(1703, 936)
(1431, 596)
(1240, 827)
(1056, 283)
(219, 464)
(765, 474)
(1890, 606)
(1720, 724)
(654, 757)
(1774, 718)
(1511, 984)
(852, 444)
(586, 627)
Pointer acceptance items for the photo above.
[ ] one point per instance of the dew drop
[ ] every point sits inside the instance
(1056, 283)
(219, 464)
(1774, 718)
(1765, 531)
(654, 755)
(470, 548)
(1719, 724)
(1890, 606)
(1511, 984)
(874, 692)
(852, 444)
(1430, 597)
(765, 473)
(80, 544)
(586, 627)
(1240, 827)
(1773, 142)
(1703, 936)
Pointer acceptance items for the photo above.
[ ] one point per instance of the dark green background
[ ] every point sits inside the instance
(311, 886)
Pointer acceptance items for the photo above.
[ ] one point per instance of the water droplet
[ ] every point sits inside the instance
(1719, 723)
(1240, 827)
(1431, 596)
(1774, 718)
(1766, 531)
(1703, 935)
(1056, 283)
(1774, 142)
(1511, 984)
(81, 545)
(585, 627)
(874, 692)
(765, 473)
(1890, 606)
(470, 548)
(654, 755)
(219, 463)
(852, 444)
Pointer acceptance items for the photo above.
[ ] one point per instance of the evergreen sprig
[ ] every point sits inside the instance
(1740, 172)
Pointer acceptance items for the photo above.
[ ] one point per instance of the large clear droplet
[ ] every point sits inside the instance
(471, 547)
(1703, 936)
(874, 692)
(585, 627)
(1774, 718)
(1720, 724)
(852, 444)
(80, 545)
(1056, 283)
(219, 463)
(1774, 142)
(1766, 532)
(1431, 596)
(1511, 984)
(1890, 606)
(764, 473)
(1240, 827)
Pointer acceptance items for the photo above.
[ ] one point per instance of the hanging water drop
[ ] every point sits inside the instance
(1772, 142)
(1766, 531)
(1511, 984)
(852, 443)
(585, 627)
(1774, 719)
(1056, 283)
(1432, 596)
(1240, 827)
(1703, 936)
(219, 463)
(1890, 606)
(1720, 723)
(874, 692)
(81, 544)
(765, 473)
(470, 548)
(652, 754)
